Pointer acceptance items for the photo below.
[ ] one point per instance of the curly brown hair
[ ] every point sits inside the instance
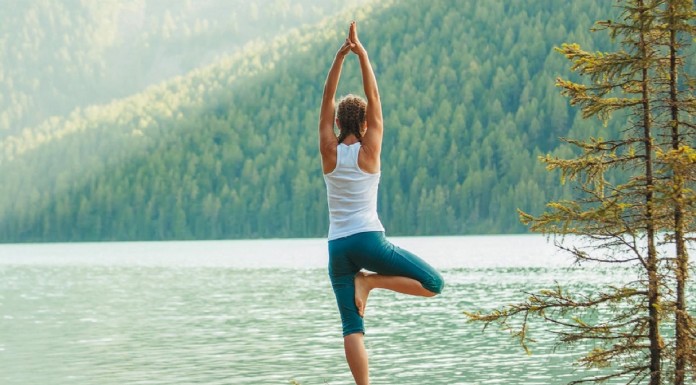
(351, 116)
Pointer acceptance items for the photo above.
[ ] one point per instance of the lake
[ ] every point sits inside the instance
(262, 312)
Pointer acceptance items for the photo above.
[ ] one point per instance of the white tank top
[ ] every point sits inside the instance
(352, 195)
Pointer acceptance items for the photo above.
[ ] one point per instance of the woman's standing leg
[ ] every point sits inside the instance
(356, 355)
(342, 272)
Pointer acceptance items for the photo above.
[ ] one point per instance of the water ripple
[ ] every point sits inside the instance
(76, 324)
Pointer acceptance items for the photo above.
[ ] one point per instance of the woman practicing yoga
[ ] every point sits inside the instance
(351, 165)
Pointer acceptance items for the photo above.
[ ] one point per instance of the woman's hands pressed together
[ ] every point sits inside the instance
(356, 46)
(352, 43)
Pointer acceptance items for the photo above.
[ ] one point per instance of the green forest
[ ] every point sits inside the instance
(59, 55)
(229, 148)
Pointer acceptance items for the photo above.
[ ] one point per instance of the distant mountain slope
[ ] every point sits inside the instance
(59, 55)
(229, 151)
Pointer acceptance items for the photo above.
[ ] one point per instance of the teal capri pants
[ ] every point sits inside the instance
(373, 252)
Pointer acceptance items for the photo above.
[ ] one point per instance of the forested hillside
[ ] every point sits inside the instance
(59, 55)
(230, 150)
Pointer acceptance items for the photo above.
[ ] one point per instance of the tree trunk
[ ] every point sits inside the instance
(653, 280)
(681, 333)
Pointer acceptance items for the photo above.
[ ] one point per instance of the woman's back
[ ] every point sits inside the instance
(352, 195)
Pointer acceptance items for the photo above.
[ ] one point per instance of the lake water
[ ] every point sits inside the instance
(262, 312)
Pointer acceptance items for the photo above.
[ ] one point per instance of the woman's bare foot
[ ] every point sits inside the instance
(362, 290)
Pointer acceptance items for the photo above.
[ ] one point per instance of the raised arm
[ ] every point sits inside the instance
(327, 137)
(372, 140)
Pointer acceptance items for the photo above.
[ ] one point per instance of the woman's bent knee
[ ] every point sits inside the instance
(435, 284)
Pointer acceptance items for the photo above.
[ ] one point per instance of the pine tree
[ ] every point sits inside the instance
(622, 204)
(676, 29)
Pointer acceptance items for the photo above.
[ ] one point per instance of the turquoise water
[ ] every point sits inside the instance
(262, 312)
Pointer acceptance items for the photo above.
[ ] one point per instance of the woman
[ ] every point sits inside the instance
(351, 165)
